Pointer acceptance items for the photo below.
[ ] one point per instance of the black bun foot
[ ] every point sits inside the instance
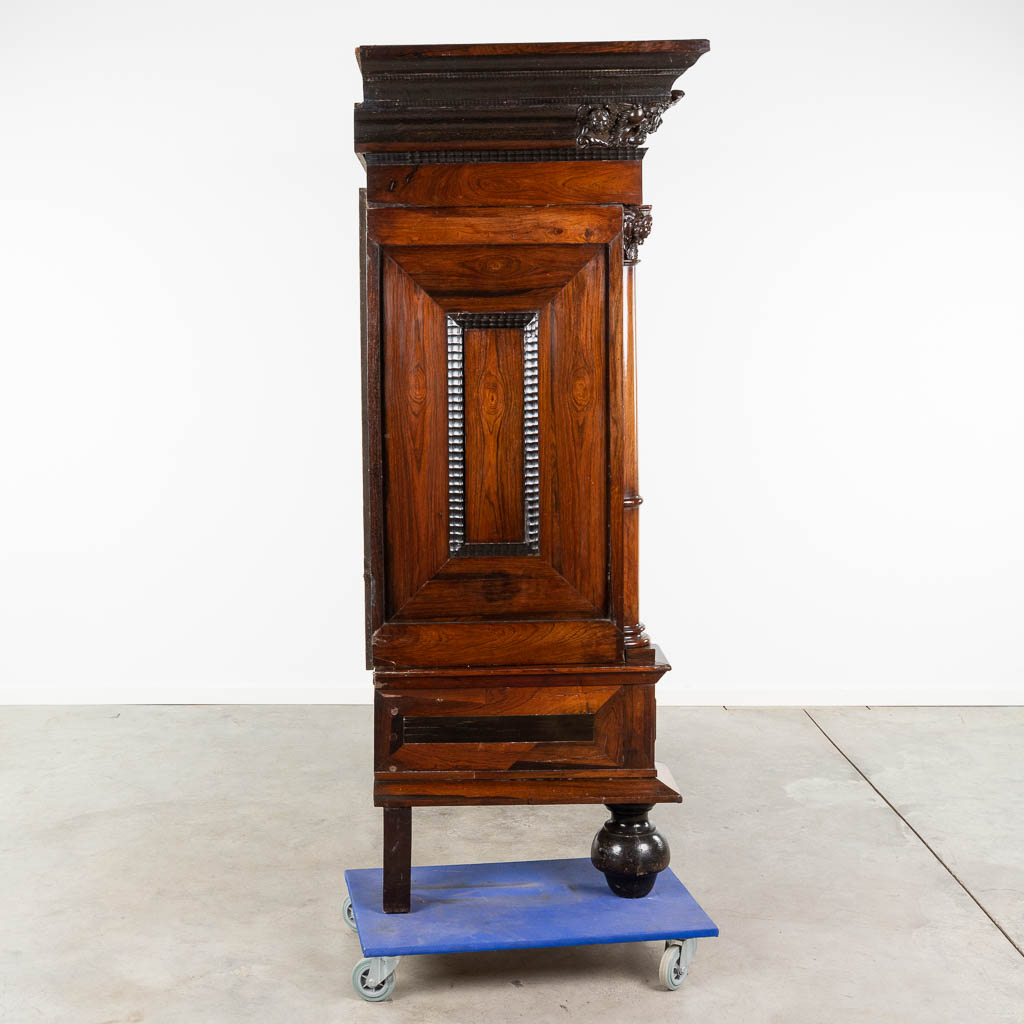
(630, 851)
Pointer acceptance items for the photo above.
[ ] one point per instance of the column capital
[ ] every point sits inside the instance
(636, 226)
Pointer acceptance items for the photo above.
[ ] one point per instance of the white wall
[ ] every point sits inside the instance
(831, 344)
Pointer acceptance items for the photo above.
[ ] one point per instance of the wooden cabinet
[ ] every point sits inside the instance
(500, 227)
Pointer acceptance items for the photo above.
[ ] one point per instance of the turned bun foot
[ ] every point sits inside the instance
(629, 850)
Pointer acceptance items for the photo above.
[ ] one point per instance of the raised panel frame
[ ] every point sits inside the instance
(532, 635)
(545, 727)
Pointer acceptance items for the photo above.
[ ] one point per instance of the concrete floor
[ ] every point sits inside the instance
(184, 864)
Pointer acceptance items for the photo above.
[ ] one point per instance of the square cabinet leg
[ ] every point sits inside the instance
(397, 859)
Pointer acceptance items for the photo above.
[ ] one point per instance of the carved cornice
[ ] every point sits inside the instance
(636, 226)
(587, 96)
(620, 124)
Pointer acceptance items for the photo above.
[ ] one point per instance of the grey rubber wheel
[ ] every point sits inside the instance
(675, 962)
(348, 913)
(361, 983)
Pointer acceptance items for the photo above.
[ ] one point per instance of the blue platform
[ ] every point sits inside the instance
(463, 908)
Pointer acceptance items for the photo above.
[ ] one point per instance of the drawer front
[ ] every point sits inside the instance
(515, 728)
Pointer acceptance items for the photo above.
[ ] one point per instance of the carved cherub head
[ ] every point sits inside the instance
(599, 120)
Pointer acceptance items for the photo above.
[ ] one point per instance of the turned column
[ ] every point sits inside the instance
(636, 226)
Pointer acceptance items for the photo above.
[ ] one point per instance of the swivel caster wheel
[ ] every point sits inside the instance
(373, 977)
(348, 913)
(675, 962)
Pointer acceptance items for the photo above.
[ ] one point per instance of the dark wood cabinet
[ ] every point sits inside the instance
(500, 227)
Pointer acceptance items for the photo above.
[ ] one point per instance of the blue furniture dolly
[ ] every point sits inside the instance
(464, 908)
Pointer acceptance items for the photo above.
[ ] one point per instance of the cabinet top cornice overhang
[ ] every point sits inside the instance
(582, 98)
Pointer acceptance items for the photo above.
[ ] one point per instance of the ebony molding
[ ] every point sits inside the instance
(495, 729)
(499, 156)
(456, 325)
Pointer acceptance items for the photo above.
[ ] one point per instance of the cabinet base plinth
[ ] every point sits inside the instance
(540, 789)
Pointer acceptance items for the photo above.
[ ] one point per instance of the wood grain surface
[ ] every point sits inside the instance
(493, 391)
